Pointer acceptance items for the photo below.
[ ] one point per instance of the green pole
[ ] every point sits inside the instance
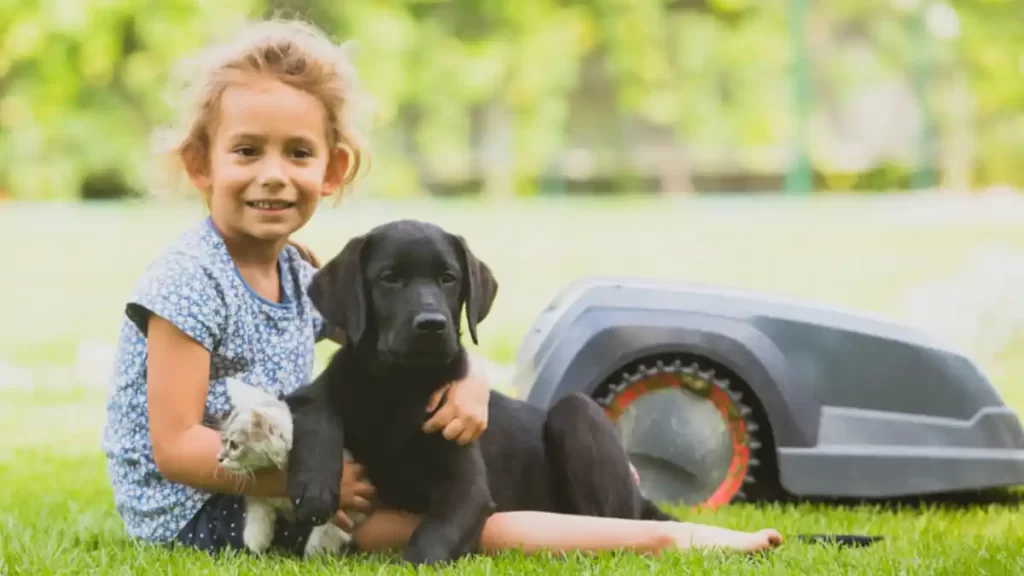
(923, 177)
(799, 177)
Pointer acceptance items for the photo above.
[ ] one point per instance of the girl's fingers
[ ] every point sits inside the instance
(435, 398)
(357, 503)
(354, 469)
(454, 429)
(341, 520)
(440, 419)
(364, 489)
(468, 435)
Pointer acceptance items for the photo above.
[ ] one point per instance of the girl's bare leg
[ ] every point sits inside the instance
(386, 530)
(542, 531)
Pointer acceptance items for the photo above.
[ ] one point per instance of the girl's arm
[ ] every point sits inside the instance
(463, 416)
(185, 451)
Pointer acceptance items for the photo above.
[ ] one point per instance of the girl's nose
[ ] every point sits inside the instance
(271, 177)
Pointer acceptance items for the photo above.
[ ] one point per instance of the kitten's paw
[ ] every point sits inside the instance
(326, 539)
(257, 536)
(259, 527)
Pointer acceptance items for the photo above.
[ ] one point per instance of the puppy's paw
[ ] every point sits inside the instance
(314, 505)
(421, 555)
(430, 551)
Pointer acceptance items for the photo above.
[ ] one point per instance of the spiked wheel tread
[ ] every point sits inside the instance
(702, 380)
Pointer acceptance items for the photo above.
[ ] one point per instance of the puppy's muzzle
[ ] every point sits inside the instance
(430, 323)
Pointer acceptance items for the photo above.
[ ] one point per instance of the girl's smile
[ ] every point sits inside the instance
(270, 206)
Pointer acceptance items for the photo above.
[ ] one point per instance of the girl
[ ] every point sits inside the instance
(270, 126)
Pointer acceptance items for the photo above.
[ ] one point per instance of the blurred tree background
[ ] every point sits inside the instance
(501, 97)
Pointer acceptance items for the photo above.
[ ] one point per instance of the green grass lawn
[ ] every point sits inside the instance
(72, 267)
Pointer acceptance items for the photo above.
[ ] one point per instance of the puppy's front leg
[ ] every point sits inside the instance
(459, 507)
(315, 462)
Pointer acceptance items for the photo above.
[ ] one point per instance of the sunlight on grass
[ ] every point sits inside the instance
(75, 266)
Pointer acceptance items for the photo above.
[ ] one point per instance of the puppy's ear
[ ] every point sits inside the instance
(337, 290)
(479, 287)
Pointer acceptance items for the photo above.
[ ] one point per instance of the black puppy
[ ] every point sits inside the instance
(398, 294)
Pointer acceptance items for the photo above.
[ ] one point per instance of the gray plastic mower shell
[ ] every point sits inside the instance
(858, 406)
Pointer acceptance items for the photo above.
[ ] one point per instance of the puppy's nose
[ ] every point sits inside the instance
(429, 322)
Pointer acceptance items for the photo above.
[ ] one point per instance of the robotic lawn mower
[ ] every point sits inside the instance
(722, 395)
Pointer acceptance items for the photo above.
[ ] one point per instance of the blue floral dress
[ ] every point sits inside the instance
(195, 285)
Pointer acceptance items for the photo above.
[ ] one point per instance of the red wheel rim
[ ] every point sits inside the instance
(739, 436)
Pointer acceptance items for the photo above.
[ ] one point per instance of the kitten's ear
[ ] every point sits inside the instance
(246, 397)
(259, 426)
(241, 394)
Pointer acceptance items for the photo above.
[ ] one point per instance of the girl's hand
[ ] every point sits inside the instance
(463, 417)
(356, 494)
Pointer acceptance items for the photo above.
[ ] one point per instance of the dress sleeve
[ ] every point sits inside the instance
(186, 294)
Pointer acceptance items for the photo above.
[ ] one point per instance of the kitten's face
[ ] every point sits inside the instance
(257, 433)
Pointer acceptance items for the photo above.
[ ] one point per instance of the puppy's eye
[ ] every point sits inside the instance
(232, 445)
(389, 278)
(448, 278)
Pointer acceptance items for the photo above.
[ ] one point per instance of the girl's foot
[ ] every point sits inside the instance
(684, 535)
(687, 535)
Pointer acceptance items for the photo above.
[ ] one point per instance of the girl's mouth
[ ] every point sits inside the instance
(270, 205)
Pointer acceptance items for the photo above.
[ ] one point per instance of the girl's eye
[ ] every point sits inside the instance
(303, 153)
(246, 150)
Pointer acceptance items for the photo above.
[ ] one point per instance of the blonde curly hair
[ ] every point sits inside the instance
(291, 51)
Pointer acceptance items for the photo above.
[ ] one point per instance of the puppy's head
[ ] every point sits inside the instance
(405, 284)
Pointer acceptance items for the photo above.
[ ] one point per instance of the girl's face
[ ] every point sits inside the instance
(269, 161)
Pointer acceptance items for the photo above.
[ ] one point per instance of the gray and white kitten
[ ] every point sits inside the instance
(258, 434)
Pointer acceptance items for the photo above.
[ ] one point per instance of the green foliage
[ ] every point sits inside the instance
(492, 89)
(81, 85)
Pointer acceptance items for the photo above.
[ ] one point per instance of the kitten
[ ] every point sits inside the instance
(258, 434)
